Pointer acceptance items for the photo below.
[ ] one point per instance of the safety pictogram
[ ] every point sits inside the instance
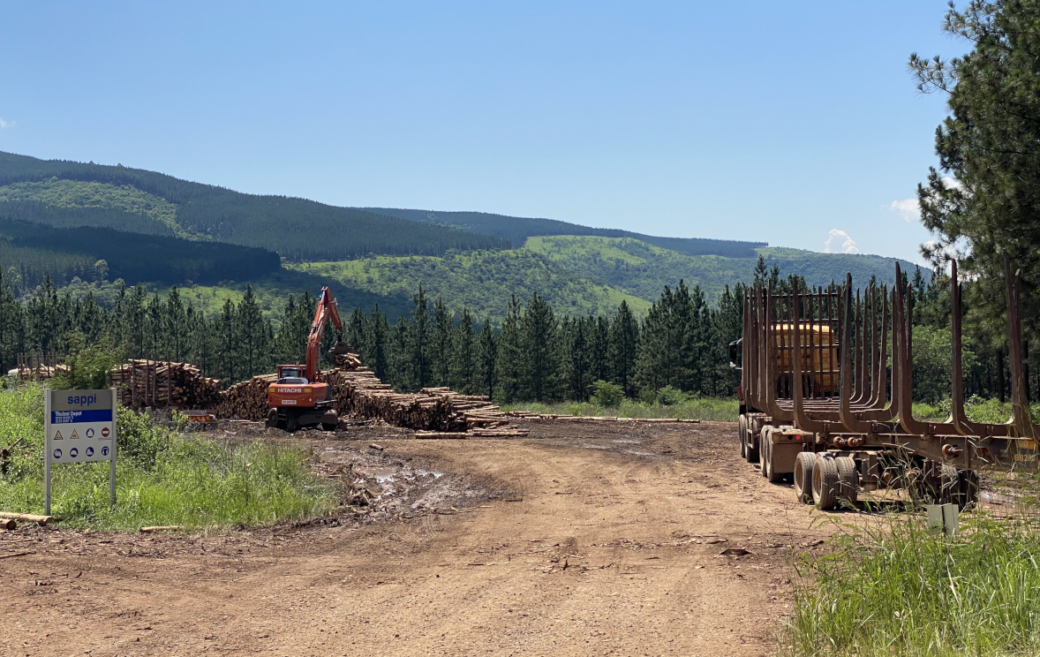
(57, 453)
(104, 432)
(74, 436)
(73, 452)
(90, 451)
(90, 433)
(57, 436)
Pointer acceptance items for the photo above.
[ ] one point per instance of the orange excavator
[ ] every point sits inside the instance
(299, 398)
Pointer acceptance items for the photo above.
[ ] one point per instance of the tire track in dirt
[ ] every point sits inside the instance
(603, 553)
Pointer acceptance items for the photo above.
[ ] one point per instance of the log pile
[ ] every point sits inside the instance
(41, 372)
(360, 395)
(246, 400)
(160, 384)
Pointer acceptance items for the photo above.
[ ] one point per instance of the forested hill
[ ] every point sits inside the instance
(518, 229)
(65, 194)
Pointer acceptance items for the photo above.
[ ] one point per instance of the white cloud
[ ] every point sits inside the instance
(6, 124)
(907, 209)
(839, 242)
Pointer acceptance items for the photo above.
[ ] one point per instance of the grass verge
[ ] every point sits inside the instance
(164, 476)
(901, 589)
(703, 408)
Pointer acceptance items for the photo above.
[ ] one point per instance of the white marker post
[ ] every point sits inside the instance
(80, 427)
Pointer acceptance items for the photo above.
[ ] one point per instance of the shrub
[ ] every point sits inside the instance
(606, 394)
(669, 396)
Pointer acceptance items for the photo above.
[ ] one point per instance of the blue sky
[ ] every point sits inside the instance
(771, 121)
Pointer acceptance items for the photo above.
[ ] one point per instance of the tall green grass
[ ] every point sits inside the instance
(164, 476)
(901, 589)
(699, 408)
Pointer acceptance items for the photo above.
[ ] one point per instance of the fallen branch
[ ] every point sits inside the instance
(16, 554)
(167, 528)
(28, 517)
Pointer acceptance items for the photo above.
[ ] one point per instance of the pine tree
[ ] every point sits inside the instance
(377, 344)
(441, 352)
(464, 354)
(487, 375)
(420, 342)
(622, 349)
(539, 362)
(509, 351)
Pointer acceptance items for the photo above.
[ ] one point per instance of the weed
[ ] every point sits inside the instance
(164, 476)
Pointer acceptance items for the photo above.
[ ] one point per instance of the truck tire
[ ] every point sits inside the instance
(272, 418)
(769, 463)
(742, 430)
(752, 452)
(803, 473)
(826, 483)
(849, 475)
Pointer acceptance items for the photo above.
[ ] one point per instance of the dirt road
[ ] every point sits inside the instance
(585, 539)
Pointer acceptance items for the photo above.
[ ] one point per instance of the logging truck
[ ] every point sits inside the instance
(299, 397)
(820, 402)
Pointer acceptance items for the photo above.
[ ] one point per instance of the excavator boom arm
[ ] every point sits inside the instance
(326, 309)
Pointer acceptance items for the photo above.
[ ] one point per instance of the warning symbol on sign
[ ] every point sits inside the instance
(90, 433)
(74, 436)
(57, 435)
(104, 432)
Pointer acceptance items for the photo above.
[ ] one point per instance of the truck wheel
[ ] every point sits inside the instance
(742, 430)
(290, 424)
(752, 451)
(764, 443)
(849, 476)
(826, 483)
(803, 473)
(768, 466)
(272, 418)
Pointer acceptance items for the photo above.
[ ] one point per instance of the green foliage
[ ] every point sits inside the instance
(88, 365)
(53, 192)
(899, 589)
(668, 396)
(606, 394)
(698, 408)
(987, 145)
(642, 270)
(126, 199)
(484, 281)
(164, 477)
(518, 229)
(36, 251)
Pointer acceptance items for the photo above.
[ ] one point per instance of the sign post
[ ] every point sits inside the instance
(80, 427)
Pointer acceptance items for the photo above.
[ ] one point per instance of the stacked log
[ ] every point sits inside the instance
(360, 395)
(161, 384)
(41, 372)
(246, 400)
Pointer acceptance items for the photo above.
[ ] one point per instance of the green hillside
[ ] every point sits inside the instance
(483, 282)
(642, 270)
(581, 275)
(518, 229)
(60, 193)
(30, 252)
